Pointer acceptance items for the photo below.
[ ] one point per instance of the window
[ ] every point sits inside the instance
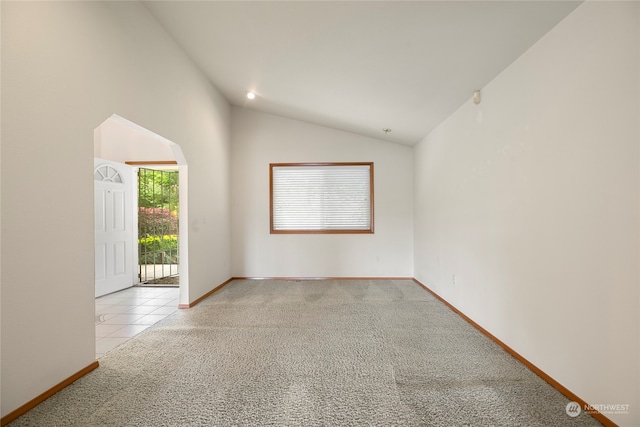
(321, 197)
(107, 173)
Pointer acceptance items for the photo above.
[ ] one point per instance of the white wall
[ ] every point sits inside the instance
(531, 199)
(66, 67)
(259, 139)
(122, 141)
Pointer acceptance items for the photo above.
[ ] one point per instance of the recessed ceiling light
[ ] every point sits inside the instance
(251, 95)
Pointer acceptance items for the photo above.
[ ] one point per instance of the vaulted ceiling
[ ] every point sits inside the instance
(358, 66)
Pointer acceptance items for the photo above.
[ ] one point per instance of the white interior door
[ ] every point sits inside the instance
(114, 226)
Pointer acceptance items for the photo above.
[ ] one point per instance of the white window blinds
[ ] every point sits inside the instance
(335, 197)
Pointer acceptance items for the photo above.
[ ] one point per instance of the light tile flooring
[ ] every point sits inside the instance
(121, 315)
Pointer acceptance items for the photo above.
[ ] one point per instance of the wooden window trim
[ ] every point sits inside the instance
(341, 231)
(151, 162)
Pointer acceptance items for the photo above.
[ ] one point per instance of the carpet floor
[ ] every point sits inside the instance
(311, 353)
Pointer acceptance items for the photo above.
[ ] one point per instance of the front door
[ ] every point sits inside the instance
(114, 232)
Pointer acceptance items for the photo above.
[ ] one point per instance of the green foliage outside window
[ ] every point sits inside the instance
(157, 217)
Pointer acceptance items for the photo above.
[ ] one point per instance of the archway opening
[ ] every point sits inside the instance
(122, 141)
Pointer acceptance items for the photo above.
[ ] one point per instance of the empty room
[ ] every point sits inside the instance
(390, 213)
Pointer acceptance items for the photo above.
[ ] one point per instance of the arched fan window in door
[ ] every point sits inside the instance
(107, 173)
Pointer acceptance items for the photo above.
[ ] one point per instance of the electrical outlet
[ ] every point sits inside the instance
(454, 279)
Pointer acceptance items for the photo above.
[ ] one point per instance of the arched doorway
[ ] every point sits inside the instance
(122, 141)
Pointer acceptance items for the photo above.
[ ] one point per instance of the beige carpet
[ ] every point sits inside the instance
(312, 353)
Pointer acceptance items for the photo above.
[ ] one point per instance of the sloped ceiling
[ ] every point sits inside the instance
(358, 66)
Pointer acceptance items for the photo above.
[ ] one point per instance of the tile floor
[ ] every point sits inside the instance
(121, 315)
